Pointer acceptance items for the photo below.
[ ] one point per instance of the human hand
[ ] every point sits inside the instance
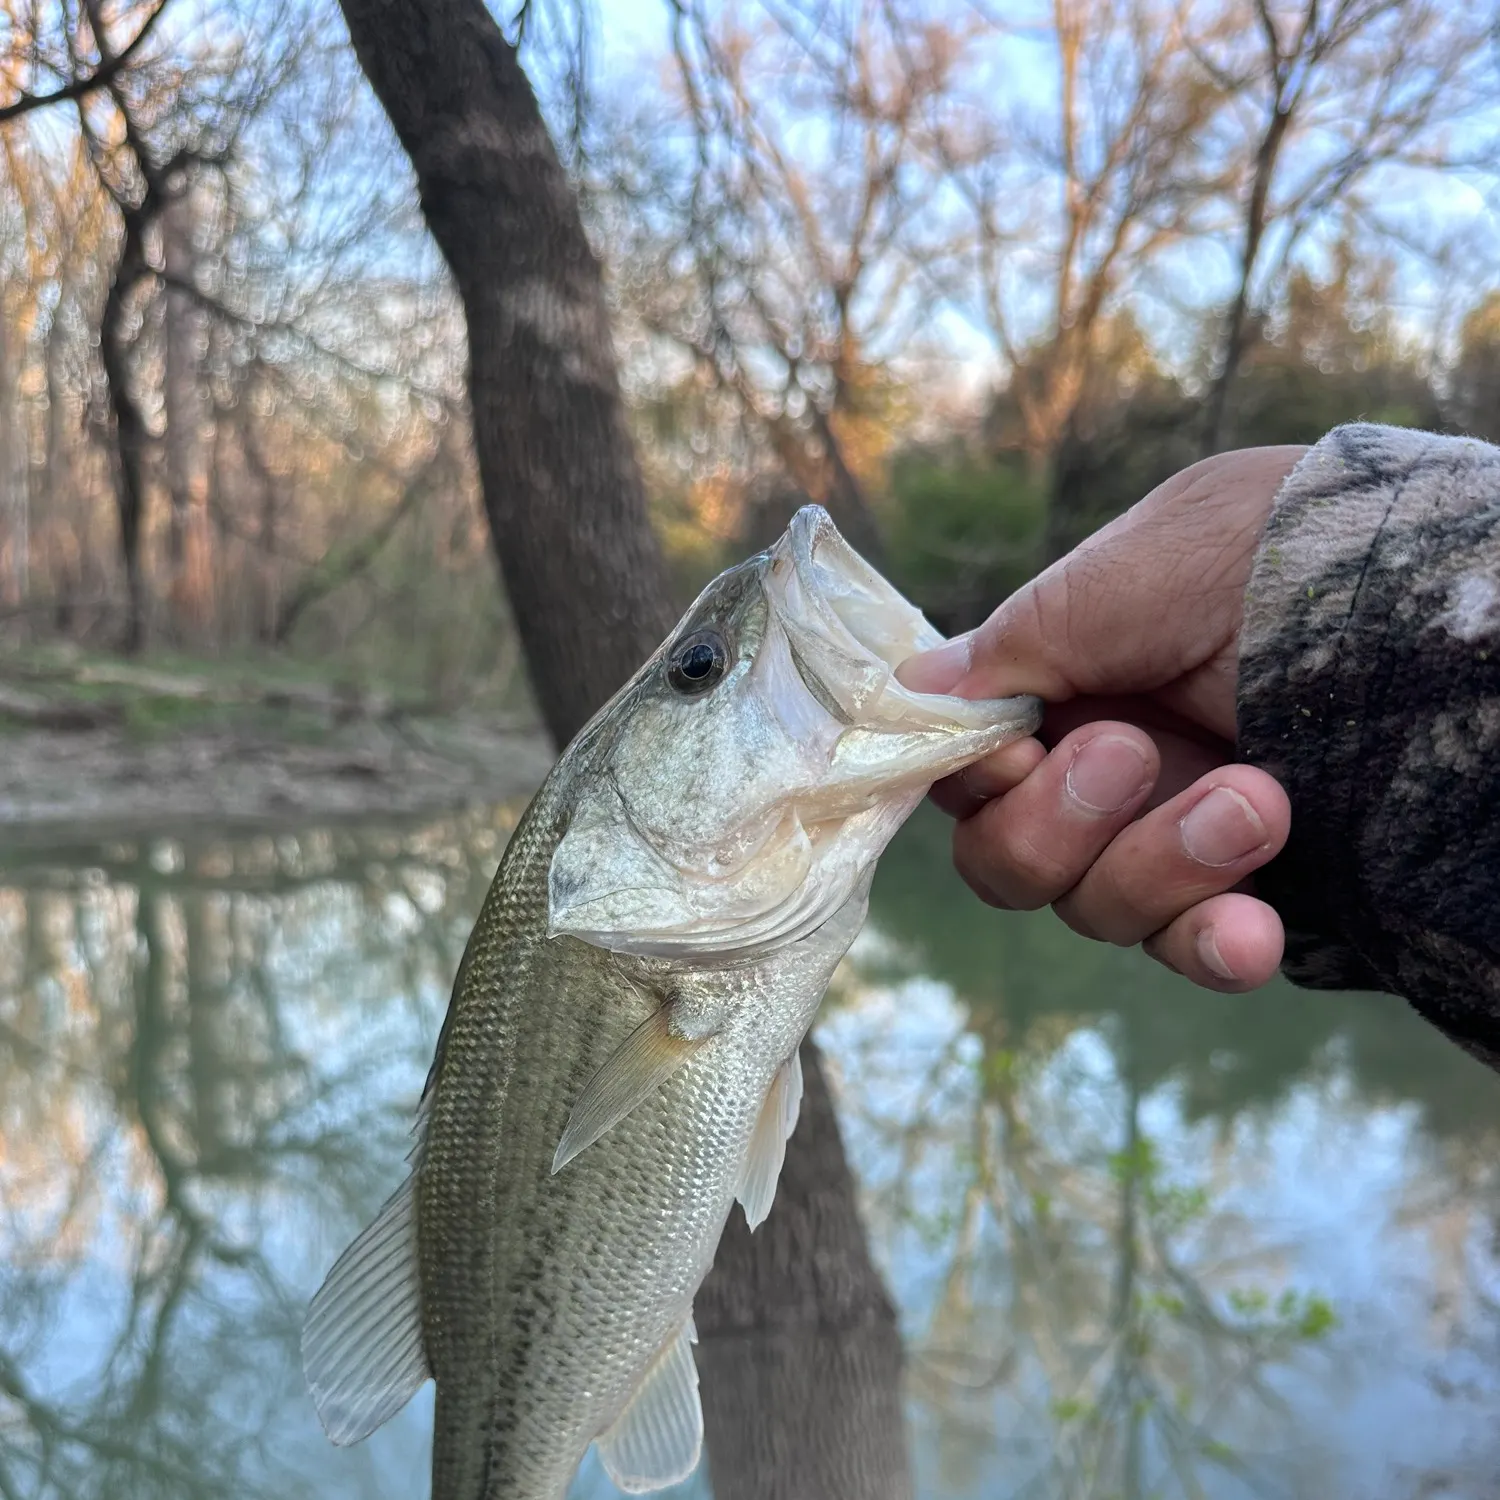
(1126, 815)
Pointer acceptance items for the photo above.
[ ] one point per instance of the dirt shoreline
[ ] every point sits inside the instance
(98, 779)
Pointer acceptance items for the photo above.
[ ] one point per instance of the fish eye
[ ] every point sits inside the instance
(698, 662)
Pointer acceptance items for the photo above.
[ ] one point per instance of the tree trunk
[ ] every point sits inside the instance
(1067, 520)
(126, 418)
(191, 583)
(15, 464)
(129, 425)
(61, 545)
(268, 567)
(562, 490)
(1233, 351)
(798, 1345)
(269, 616)
(800, 1352)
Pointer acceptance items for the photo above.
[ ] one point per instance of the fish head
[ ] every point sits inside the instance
(737, 792)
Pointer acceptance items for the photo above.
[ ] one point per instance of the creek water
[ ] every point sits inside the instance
(1144, 1241)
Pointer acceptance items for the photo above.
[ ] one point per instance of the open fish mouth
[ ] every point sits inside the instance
(849, 629)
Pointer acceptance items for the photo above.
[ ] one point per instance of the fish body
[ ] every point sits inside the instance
(619, 1060)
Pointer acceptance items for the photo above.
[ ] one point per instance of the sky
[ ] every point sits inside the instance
(633, 35)
(631, 38)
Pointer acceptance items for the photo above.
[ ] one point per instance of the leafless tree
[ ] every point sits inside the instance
(250, 349)
(768, 224)
(840, 176)
(1330, 105)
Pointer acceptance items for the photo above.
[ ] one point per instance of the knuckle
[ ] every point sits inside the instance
(1071, 915)
(1037, 869)
(1047, 618)
(984, 890)
(1111, 914)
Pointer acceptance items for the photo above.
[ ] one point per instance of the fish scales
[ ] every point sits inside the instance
(580, 1312)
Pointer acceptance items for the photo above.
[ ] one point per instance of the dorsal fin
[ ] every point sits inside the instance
(362, 1346)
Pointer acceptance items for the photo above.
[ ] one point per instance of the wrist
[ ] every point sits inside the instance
(1360, 688)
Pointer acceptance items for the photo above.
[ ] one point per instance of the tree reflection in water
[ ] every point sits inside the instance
(210, 1053)
(1145, 1241)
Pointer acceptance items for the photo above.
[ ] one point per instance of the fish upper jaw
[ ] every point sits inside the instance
(847, 630)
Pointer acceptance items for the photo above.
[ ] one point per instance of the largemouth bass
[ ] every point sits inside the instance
(619, 1063)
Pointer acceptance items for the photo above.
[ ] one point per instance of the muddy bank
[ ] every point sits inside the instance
(104, 777)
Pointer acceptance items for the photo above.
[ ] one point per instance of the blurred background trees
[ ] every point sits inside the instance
(974, 275)
(232, 406)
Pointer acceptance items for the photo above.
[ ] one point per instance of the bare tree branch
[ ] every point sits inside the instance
(111, 65)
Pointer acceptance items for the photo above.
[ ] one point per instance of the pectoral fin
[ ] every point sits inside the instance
(362, 1348)
(644, 1061)
(778, 1119)
(658, 1437)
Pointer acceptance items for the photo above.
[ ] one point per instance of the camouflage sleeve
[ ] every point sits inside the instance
(1370, 687)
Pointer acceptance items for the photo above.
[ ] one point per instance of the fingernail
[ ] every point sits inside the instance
(1106, 772)
(939, 670)
(1221, 828)
(1208, 950)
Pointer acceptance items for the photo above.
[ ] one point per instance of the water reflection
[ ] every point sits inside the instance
(1152, 1242)
(1144, 1241)
(210, 1053)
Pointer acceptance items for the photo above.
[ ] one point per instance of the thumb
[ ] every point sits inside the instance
(1150, 596)
(1008, 654)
